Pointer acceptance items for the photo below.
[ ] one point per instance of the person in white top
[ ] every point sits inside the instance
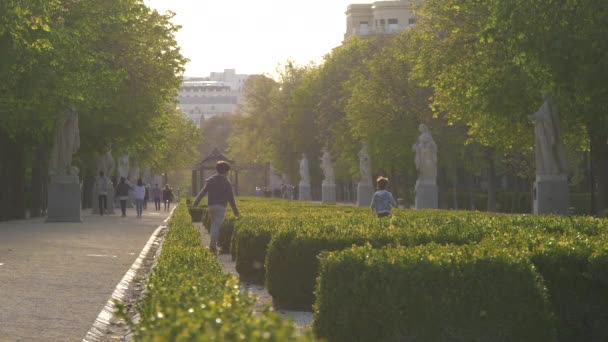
(103, 185)
(140, 194)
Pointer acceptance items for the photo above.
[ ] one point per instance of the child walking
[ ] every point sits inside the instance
(382, 201)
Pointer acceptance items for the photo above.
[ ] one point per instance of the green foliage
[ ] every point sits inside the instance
(189, 298)
(578, 293)
(290, 236)
(431, 293)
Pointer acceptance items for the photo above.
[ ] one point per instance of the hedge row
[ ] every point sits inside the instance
(483, 292)
(288, 237)
(189, 298)
(431, 293)
(292, 263)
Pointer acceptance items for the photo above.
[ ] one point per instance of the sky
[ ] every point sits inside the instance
(254, 37)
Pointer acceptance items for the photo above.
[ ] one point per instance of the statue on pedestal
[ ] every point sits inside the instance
(328, 170)
(365, 166)
(123, 166)
(106, 163)
(426, 155)
(304, 171)
(549, 149)
(64, 190)
(67, 143)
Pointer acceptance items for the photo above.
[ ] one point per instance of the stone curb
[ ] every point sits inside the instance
(102, 324)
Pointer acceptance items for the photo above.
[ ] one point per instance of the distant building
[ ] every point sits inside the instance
(218, 94)
(380, 17)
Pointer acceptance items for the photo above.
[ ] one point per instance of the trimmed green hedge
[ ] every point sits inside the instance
(574, 269)
(431, 293)
(292, 263)
(189, 298)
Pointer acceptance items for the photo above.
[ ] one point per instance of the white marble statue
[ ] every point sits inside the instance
(365, 166)
(549, 148)
(106, 163)
(123, 166)
(67, 142)
(147, 175)
(304, 171)
(134, 174)
(328, 169)
(426, 155)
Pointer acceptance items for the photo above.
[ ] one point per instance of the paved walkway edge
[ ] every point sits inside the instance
(102, 323)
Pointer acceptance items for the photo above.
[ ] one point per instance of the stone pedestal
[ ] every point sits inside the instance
(365, 192)
(304, 192)
(426, 195)
(64, 201)
(551, 195)
(328, 192)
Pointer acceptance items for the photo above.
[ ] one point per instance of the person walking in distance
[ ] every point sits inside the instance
(122, 193)
(147, 195)
(157, 194)
(220, 193)
(167, 197)
(140, 194)
(382, 201)
(103, 185)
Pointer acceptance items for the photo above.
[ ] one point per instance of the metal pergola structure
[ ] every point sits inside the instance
(208, 164)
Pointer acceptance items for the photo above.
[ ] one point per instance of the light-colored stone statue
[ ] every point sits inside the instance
(64, 191)
(304, 186)
(551, 194)
(67, 142)
(134, 174)
(304, 171)
(328, 186)
(549, 148)
(365, 166)
(147, 176)
(328, 169)
(106, 163)
(427, 192)
(426, 155)
(365, 188)
(123, 166)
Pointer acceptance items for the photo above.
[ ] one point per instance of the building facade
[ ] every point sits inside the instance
(380, 17)
(220, 93)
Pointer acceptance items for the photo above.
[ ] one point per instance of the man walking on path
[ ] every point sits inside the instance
(220, 193)
(157, 194)
(103, 185)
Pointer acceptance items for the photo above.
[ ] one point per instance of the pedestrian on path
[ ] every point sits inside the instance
(382, 201)
(103, 185)
(167, 197)
(122, 193)
(140, 194)
(146, 196)
(220, 193)
(157, 194)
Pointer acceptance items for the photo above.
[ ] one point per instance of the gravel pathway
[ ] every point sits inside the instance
(302, 319)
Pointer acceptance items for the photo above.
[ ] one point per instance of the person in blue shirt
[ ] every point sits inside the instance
(382, 201)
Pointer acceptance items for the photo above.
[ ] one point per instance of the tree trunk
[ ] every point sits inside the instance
(491, 178)
(455, 187)
(12, 199)
(599, 164)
